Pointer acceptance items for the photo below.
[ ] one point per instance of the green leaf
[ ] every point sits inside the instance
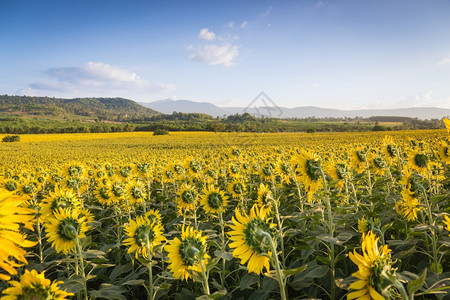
(109, 291)
(290, 272)
(248, 280)
(215, 295)
(416, 284)
(224, 255)
(134, 282)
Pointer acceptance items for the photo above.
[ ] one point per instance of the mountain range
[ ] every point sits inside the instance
(168, 106)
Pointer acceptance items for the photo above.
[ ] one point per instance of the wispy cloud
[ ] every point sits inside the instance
(215, 55)
(94, 78)
(205, 34)
(267, 12)
(445, 61)
(217, 50)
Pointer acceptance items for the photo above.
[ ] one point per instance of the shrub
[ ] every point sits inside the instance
(160, 131)
(11, 138)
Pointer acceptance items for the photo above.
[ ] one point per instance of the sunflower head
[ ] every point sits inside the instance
(248, 235)
(65, 227)
(446, 222)
(186, 197)
(447, 124)
(34, 285)
(236, 188)
(372, 264)
(186, 253)
(265, 195)
(60, 198)
(213, 199)
(144, 235)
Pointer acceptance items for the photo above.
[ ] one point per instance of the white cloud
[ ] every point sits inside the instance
(420, 99)
(444, 61)
(267, 12)
(205, 34)
(244, 24)
(215, 55)
(316, 85)
(320, 4)
(93, 78)
(231, 24)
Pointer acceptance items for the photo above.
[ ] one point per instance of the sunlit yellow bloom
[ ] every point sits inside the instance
(267, 171)
(370, 265)
(247, 240)
(144, 235)
(389, 148)
(11, 239)
(64, 227)
(409, 206)
(265, 196)
(135, 191)
(284, 170)
(337, 170)
(186, 253)
(308, 165)
(236, 188)
(418, 161)
(34, 285)
(444, 152)
(104, 194)
(213, 199)
(186, 197)
(60, 198)
(447, 223)
(359, 160)
(447, 124)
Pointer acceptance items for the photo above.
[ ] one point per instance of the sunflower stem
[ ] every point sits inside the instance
(83, 275)
(267, 237)
(280, 228)
(150, 271)
(204, 276)
(435, 265)
(331, 231)
(222, 237)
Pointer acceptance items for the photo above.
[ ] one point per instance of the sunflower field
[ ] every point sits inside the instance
(226, 216)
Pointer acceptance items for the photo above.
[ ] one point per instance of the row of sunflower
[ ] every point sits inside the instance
(365, 220)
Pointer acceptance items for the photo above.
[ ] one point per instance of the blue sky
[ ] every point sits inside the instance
(339, 54)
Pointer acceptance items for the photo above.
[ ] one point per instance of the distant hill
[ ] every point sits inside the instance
(103, 109)
(186, 106)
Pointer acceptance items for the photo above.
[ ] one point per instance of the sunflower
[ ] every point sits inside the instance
(337, 170)
(103, 194)
(142, 231)
(265, 195)
(186, 253)
(390, 150)
(284, 170)
(378, 165)
(446, 222)
(213, 199)
(308, 166)
(186, 197)
(135, 190)
(267, 171)
(154, 215)
(11, 239)
(418, 161)
(236, 188)
(359, 160)
(248, 240)
(370, 264)
(60, 198)
(447, 124)
(64, 227)
(34, 285)
(409, 206)
(444, 152)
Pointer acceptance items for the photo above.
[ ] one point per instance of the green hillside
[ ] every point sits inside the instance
(97, 109)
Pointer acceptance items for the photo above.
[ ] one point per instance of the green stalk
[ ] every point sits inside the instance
(204, 277)
(267, 237)
(331, 231)
(223, 246)
(83, 275)
(149, 266)
(434, 266)
(280, 229)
